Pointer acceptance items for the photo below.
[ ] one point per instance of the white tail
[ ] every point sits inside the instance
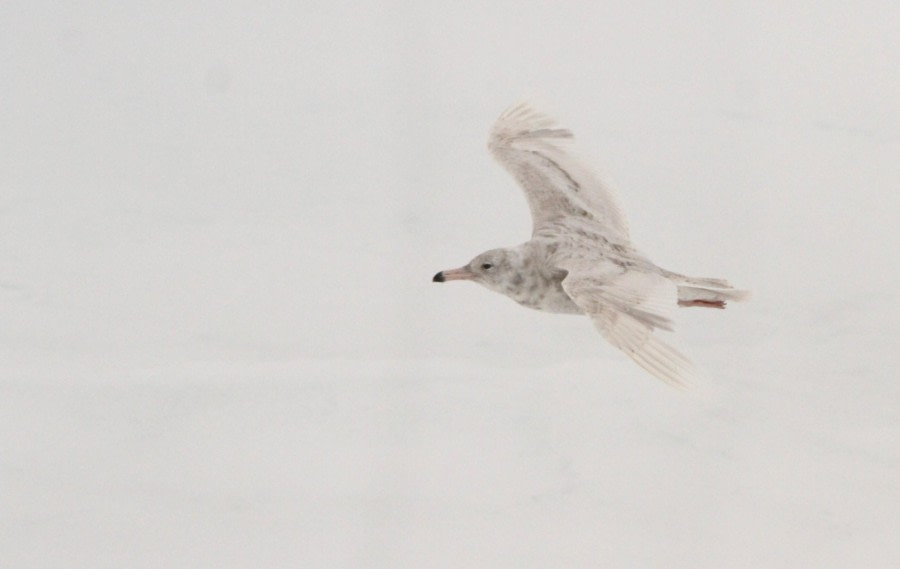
(711, 293)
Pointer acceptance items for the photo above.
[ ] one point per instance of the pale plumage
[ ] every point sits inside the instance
(580, 258)
(527, 144)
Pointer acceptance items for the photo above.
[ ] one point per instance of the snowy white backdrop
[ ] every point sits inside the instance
(220, 345)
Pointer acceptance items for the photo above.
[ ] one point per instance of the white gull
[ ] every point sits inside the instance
(580, 259)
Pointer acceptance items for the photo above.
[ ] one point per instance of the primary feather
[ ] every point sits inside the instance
(530, 146)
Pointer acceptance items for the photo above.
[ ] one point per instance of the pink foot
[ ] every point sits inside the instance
(706, 303)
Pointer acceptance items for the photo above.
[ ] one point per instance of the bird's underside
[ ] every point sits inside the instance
(580, 257)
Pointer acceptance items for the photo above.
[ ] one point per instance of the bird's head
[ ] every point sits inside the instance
(496, 269)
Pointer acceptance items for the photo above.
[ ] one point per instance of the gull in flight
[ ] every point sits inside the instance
(580, 259)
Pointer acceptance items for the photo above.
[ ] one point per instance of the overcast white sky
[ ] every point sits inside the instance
(228, 214)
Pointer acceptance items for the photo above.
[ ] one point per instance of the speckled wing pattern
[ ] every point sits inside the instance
(530, 146)
(626, 309)
(625, 303)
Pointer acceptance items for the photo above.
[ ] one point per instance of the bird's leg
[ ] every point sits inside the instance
(706, 303)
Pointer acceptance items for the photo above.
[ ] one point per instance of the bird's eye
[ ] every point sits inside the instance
(486, 266)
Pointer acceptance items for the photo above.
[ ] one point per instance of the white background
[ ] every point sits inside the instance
(220, 345)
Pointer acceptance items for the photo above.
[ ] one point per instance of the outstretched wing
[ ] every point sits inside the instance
(530, 146)
(626, 308)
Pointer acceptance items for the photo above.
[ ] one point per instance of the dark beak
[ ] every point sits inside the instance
(438, 278)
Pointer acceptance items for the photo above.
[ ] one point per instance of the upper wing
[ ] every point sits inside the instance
(529, 146)
(626, 308)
